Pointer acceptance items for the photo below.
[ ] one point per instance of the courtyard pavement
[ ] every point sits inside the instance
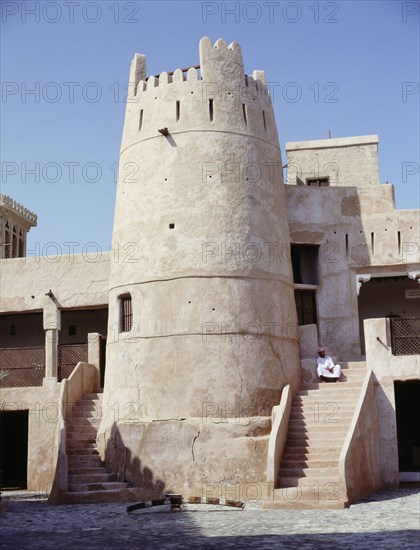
(386, 520)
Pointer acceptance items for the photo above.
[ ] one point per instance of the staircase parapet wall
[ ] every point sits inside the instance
(387, 368)
(359, 463)
(81, 381)
(278, 435)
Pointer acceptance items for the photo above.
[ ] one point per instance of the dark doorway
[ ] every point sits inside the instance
(102, 362)
(407, 408)
(14, 448)
(306, 307)
(305, 263)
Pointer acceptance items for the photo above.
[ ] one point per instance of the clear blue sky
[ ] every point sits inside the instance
(367, 50)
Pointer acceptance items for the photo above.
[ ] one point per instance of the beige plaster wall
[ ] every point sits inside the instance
(346, 161)
(360, 458)
(189, 456)
(386, 369)
(44, 413)
(342, 220)
(76, 281)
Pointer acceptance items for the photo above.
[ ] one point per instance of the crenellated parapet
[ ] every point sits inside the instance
(18, 209)
(15, 222)
(216, 95)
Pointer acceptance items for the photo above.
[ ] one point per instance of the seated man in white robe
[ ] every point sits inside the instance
(327, 371)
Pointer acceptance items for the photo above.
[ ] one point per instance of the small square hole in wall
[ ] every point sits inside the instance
(171, 226)
(72, 330)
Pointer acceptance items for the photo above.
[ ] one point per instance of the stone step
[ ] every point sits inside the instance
(317, 402)
(89, 478)
(87, 401)
(87, 452)
(95, 413)
(79, 421)
(348, 394)
(74, 457)
(75, 449)
(100, 486)
(80, 412)
(82, 429)
(318, 437)
(80, 465)
(353, 364)
(326, 386)
(114, 495)
(309, 463)
(306, 455)
(93, 396)
(305, 482)
(317, 408)
(327, 473)
(341, 425)
(81, 443)
(309, 423)
(319, 452)
(326, 397)
(326, 409)
(78, 437)
(76, 470)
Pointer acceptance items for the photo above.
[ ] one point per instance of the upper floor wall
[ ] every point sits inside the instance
(351, 161)
(356, 226)
(72, 281)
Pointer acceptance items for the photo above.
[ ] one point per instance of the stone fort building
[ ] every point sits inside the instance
(184, 360)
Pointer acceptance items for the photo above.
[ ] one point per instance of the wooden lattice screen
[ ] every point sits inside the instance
(68, 357)
(24, 367)
(405, 335)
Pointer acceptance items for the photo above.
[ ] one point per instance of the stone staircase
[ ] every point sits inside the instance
(319, 421)
(89, 480)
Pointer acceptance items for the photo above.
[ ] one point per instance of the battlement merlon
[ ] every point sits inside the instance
(137, 72)
(9, 204)
(220, 64)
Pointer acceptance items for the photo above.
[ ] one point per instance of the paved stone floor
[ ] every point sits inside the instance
(386, 520)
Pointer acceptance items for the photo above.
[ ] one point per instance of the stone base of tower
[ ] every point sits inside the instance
(219, 457)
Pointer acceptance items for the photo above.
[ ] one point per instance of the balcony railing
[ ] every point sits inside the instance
(22, 367)
(405, 335)
(68, 357)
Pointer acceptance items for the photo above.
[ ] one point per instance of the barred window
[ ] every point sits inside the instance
(126, 313)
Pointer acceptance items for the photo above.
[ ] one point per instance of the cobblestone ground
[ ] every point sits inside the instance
(386, 520)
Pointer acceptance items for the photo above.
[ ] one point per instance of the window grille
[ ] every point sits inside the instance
(126, 313)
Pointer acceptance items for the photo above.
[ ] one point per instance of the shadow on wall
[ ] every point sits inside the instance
(119, 459)
(388, 448)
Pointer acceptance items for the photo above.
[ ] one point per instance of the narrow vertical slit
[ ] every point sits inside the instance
(399, 242)
(372, 242)
(265, 124)
(347, 244)
(141, 120)
(211, 110)
(244, 113)
(178, 110)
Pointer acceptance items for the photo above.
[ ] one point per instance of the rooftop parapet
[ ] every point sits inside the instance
(218, 63)
(215, 95)
(19, 209)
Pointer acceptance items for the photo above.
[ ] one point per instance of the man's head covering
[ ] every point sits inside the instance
(320, 349)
